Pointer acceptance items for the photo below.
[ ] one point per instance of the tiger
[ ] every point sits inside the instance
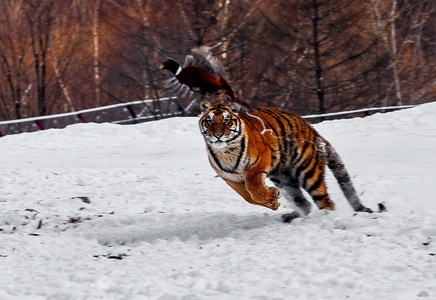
(244, 148)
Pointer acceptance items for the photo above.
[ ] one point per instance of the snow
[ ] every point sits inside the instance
(104, 211)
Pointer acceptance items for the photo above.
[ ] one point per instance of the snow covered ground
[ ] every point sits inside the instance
(101, 211)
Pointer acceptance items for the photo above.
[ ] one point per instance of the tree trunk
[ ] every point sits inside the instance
(95, 33)
(317, 59)
(390, 44)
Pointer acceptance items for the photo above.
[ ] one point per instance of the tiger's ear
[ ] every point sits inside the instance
(204, 105)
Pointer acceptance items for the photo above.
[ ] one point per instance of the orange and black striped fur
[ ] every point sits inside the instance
(245, 148)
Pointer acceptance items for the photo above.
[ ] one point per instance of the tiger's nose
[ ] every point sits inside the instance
(218, 134)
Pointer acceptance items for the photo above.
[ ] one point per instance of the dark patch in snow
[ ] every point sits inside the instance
(119, 256)
(428, 242)
(83, 198)
(381, 207)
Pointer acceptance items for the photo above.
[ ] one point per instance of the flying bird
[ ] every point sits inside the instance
(201, 73)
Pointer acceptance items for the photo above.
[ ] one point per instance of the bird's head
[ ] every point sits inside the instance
(172, 66)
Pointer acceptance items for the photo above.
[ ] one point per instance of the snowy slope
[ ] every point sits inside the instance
(101, 211)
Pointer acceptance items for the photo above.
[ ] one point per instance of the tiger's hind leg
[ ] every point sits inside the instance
(312, 179)
(291, 191)
(318, 192)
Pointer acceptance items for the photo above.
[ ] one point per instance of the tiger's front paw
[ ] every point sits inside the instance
(272, 199)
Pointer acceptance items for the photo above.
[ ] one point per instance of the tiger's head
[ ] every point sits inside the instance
(220, 126)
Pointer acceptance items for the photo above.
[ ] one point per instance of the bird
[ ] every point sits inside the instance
(201, 73)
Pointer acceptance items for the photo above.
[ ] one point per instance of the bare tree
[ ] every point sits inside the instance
(389, 41)
(95, 38)
(15, 83)
(307, 56)
(323, 54)
(40, 18)
(399, 25)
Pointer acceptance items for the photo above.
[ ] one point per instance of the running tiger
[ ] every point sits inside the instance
(245, 148)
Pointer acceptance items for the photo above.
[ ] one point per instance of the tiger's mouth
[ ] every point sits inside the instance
(217, 142)
(220, 140)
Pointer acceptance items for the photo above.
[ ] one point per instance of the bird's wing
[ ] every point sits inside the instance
(203, 58)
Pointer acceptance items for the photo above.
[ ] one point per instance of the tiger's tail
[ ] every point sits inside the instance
(338, 169)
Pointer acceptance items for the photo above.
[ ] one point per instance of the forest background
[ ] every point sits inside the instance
(307, 56)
